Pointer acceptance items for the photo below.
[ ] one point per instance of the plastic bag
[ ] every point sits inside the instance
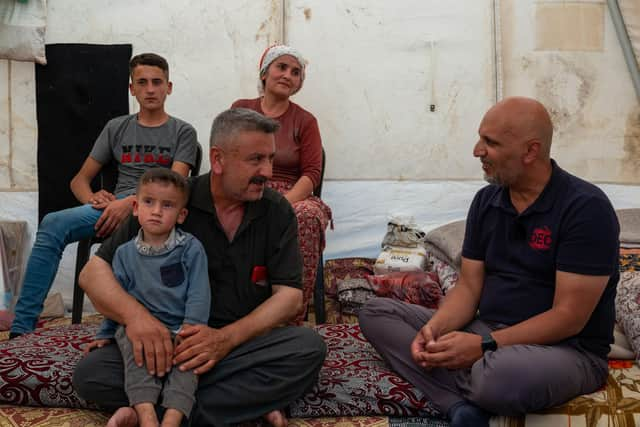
(403, 231)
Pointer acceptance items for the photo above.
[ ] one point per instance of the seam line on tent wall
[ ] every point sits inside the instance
(18, 190)
(497, 51)
(283, 22)
(10, 111)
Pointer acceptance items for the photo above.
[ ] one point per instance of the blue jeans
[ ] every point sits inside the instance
(55, 232)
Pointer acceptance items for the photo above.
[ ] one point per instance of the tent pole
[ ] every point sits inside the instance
(625, 43)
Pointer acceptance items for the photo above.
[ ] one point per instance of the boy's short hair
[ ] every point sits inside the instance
(151, 59)
(167, 177)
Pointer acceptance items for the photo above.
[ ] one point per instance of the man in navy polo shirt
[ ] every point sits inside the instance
(529, 323)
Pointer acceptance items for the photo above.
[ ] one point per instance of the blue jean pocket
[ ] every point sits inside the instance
(172, 275)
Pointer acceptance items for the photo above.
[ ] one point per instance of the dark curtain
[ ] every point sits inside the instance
(80, 89)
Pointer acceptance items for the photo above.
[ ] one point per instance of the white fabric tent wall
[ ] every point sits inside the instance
(361, 209)
(373, 74)
(630, 10)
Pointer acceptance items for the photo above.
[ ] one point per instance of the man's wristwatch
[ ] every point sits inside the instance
(488, 343)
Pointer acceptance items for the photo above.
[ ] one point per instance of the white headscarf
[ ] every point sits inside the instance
(274, 52)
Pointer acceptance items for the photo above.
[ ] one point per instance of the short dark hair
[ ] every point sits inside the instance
(230, 122)
(167, 177)
(151, 59)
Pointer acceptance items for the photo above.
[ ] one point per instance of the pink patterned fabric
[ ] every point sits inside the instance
(313, 217)
(415, 287)
(36, 369)
(422, 288)
(342, 269)
(345, 268)
(354, 380)
(627, 305)
(447, 275)
(335, 314)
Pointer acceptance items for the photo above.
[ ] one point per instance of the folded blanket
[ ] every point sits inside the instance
(353, 293)
(447, 275)
(445, 242)
(629, 227)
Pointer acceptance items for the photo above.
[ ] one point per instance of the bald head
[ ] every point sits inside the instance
(524, 119)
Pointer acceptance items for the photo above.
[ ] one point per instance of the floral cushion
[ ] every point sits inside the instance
(346, 291)
(356, 381)
(629, 259)
(627, 302)
(447, 274)
(617, 403)
(28, 416)
(36, 369)
(336, 315)
(414, 287)
(344, 268)
(628, 307)
(353, 293)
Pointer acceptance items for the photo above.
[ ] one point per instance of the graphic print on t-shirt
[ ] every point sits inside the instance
(146, 154)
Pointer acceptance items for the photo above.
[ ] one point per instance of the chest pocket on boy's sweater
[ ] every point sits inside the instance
(172, 275)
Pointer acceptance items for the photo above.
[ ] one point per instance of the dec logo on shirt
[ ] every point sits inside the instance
(541, 239)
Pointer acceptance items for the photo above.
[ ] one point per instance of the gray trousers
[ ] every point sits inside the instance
(259, 376)
(177, 387)
(510, 381)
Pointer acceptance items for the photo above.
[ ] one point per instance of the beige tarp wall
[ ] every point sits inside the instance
(631, 14)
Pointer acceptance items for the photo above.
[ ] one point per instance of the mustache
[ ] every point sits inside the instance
(258, 180)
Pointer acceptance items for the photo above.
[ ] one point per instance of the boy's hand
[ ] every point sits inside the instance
(98, 343)
(112, 216)
(100, 199)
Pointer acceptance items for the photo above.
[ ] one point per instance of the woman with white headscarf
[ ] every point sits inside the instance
(298, 160)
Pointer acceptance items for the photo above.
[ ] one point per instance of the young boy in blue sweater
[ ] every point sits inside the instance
(166, 270)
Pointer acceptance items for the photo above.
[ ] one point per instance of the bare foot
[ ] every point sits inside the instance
(276, 418)
(124, 417)
(171, 418)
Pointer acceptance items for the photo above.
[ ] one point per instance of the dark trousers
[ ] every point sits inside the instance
(510, 381)
(261, 375)
(176, 387)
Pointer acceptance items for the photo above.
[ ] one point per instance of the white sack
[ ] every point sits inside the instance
(395, 258)
(22, 30)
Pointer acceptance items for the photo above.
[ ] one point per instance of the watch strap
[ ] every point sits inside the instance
(488, 343)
